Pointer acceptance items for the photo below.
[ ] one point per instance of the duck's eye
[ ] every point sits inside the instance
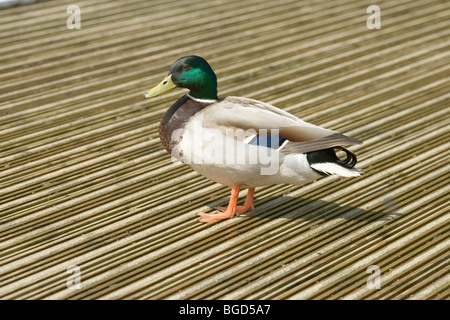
(186, 67)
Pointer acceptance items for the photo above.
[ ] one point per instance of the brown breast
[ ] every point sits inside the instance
(176, 117)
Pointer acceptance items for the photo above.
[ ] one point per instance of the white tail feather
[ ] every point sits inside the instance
(335, 169)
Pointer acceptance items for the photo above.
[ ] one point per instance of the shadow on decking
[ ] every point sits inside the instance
(313, 211)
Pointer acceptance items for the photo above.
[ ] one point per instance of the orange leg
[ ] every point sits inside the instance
(229, 212)
(247, 205)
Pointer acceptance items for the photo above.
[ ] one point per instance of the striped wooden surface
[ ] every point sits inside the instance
(85, 182)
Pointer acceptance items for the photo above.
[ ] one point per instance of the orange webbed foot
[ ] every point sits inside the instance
(248, 205)
(208, 217)
(239, 209)
(232, 209)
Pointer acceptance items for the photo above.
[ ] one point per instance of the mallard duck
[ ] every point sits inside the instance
(241, 142)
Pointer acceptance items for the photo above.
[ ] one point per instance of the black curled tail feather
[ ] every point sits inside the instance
(349, 161)
(329, 156)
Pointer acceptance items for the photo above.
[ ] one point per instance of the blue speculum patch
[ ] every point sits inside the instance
(273, 142)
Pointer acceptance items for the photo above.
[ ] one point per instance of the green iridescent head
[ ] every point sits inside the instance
(191, 72)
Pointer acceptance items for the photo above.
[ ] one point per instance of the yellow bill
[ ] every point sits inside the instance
(165, 85)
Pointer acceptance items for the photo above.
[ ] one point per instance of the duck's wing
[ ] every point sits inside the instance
(243, 113)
